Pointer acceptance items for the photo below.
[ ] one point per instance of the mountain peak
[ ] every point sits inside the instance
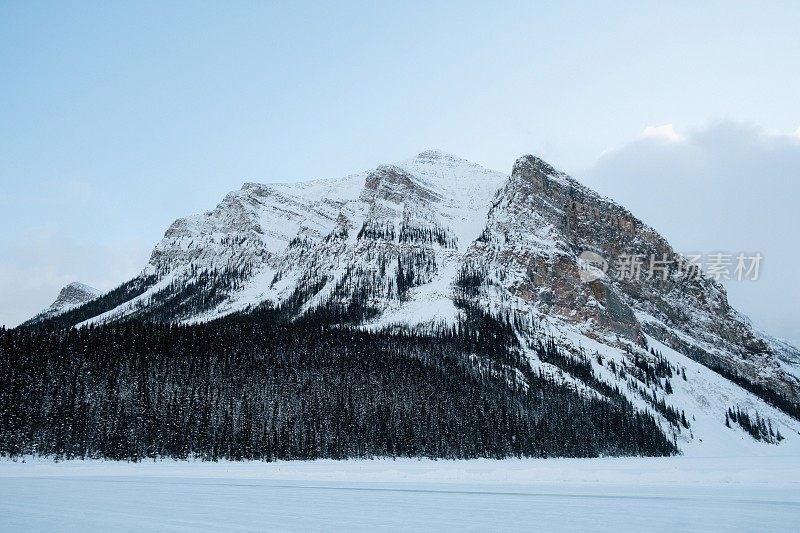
(449, 170)
(435, 154)
(78, 286)
(74, 294)
(439, 158)
(532, 163)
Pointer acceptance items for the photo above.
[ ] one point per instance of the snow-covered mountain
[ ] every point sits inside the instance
(71, 296)
(406, 245)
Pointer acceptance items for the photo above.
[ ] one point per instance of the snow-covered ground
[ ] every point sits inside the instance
(632, 494)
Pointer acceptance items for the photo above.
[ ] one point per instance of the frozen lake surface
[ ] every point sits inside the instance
(686, 494)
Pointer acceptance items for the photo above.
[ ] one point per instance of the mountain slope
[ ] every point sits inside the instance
(421, 246)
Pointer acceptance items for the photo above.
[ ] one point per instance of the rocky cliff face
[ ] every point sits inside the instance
(409, 244)
(686, 311)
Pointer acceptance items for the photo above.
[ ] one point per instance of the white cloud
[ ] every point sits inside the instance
(664, 133)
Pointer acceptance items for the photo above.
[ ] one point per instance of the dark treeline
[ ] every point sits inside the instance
(758, 427)
(579, 366)
(258, 386)
(774, 398)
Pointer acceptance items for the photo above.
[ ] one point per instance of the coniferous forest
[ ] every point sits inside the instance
(262, 386)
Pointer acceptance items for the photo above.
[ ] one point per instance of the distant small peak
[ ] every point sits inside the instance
(72, 295)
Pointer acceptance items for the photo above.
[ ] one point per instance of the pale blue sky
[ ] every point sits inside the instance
(117, 118)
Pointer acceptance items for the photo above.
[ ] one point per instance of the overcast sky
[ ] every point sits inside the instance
(117, 119)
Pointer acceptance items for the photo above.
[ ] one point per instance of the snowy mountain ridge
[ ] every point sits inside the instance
(408, 245)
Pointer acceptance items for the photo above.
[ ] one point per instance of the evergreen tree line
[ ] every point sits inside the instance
(671, 414)
(199, 291)
(470, 279)
(774, 398)
(429, 234)
(580, 366)
(758, 427)
(261, 386)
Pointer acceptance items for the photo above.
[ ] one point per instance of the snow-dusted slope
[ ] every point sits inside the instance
(409, 244)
